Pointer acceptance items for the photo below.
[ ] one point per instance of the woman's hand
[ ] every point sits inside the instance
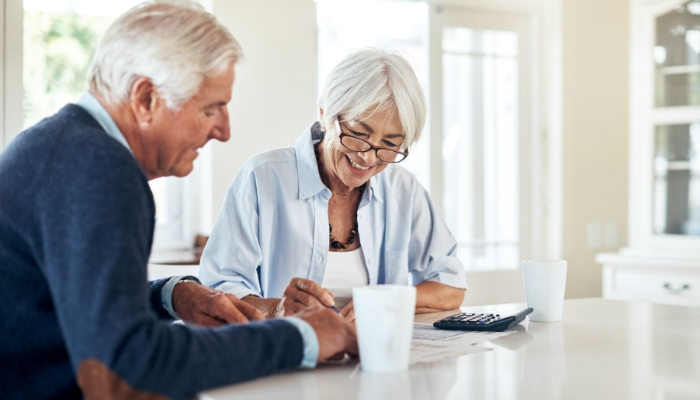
(302, 294)
(348, 312)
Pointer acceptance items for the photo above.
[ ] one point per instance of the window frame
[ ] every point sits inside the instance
(11, 85)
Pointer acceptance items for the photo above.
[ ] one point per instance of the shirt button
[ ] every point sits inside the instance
(319, 259)
(308, 200)
(359, 216)
(369, 261)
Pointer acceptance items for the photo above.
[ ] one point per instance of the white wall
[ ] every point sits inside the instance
(274, 95)
(595, 125)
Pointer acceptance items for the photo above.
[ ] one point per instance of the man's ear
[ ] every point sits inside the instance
(143, 100)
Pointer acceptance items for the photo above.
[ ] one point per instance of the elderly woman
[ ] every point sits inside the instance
(300, 227)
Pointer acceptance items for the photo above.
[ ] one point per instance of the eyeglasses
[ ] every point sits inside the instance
(352, 143)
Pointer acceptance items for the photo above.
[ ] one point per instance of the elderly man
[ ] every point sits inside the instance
(76, 225)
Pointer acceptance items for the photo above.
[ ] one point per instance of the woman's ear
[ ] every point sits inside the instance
(320, 118)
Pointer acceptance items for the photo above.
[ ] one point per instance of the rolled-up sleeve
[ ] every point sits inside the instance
(432, 248)
(232, 255)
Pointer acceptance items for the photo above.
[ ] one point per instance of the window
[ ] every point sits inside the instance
(60, 38)
(481, 145)
(347, 26)
(481, 132)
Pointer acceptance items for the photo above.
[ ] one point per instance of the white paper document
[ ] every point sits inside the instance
(431, 333)
(431, 344)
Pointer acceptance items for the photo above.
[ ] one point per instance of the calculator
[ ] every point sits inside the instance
(482, 322)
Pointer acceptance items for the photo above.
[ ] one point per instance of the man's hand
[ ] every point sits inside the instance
(336, 336)
(303, 294)
(200, 305)
(348, 312)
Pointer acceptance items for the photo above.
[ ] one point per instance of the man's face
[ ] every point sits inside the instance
(181, 133)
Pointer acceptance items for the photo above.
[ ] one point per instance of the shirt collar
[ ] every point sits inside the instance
(90, 104)
(310, 183)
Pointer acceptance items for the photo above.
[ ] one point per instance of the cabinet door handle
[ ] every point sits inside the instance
(679, 290)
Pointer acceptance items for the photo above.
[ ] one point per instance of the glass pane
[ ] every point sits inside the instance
(677, 179)
(345, 26)
(480, 148)
(677, 56)
(484, 42)
(60, 37)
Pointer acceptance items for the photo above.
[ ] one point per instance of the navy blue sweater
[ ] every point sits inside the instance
(76, 226)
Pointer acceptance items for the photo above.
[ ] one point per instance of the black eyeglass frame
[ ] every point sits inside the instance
(342, 134)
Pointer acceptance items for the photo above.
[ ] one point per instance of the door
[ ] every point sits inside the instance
(480, 142)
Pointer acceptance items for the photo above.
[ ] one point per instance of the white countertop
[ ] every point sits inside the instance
(602, 349)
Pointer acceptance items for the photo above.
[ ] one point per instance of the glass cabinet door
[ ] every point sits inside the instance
(677, 56)
(677, 179)
(676, 162)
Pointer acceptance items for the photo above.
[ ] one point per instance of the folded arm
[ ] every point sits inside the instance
(434, 297)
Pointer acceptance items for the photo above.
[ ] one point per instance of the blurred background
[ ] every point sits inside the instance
(555, 126)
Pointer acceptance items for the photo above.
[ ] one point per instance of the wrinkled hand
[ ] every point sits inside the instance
(303, 294)
(348, 312)
(336, 336)
(200, 305)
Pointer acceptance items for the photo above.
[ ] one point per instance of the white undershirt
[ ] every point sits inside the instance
(344, 271)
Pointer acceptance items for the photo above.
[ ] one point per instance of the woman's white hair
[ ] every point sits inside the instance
(174, 43)
(371, 80)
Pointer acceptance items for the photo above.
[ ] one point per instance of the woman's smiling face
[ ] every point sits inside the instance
(353, 168)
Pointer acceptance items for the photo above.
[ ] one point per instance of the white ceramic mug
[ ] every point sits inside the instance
(384, 322)
(545, 282)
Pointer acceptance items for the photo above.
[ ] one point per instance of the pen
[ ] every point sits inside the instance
(334, 309)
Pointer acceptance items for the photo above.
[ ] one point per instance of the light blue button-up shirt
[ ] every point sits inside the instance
(273, 227)
(311, 347)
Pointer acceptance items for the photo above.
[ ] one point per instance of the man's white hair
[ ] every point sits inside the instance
(174, 43)
(371, 80)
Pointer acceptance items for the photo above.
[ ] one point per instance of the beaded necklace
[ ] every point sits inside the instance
(353, 232)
